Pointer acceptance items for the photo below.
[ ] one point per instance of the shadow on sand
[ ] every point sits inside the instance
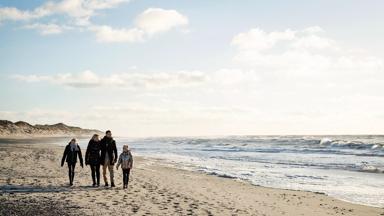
(10, 189)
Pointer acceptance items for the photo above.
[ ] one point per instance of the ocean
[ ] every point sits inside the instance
(349, 168)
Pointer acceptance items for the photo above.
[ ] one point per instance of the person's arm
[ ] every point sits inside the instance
(87, 152)
(119, 162)
(114, 150)
(64, 156)
(130, 160)
(80, 156)
(102, 152)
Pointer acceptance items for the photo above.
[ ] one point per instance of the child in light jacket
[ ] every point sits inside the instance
(126, 162)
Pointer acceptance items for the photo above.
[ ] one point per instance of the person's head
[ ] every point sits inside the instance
(95, 137)
(108, 133)
(125, 148)
(73, 141)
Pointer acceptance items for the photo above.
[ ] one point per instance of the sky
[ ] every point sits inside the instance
(194, 68)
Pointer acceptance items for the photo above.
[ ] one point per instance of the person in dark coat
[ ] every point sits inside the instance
(71, 152)
(108, 156)
(92, 158)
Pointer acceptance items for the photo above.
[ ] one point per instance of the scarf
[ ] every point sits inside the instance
(74, 147)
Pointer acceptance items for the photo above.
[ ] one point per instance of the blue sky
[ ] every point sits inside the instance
(159, 68)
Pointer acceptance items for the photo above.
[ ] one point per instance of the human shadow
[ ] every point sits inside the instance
(10, 189)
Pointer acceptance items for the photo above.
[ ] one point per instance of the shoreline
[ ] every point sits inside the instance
(173, 165)
(155, 189)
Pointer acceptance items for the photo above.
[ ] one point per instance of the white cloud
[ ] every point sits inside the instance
(109, 35)
(11, 13)
(89, 79)
(313, 41)
(155, 20)
(80, 10)
(47, 29)
(313, 29)
(258, 39)
(302, 52)
(312, 74)
(149, 22)
(84, 79)
(223, 79)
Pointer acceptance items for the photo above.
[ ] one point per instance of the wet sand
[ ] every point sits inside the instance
(33, 183)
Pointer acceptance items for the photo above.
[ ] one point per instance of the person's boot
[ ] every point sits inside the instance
(112, 184)
(72, 177)
(106, 184)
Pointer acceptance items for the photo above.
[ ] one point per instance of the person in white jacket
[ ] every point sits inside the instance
(126, 162)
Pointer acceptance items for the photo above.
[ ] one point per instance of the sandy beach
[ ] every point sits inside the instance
(33, 183)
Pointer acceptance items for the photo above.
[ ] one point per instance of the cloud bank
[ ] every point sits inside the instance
(285, 81)
(305, 51)
(132, 80)
(150, 22)
(78, 13)
(78, 10)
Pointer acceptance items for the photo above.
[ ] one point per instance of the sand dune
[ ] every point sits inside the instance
(32, 182)
(23, 129)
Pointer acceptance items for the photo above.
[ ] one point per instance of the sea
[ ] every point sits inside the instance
(350, 168)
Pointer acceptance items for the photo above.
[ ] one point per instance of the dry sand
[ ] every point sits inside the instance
(33, 183)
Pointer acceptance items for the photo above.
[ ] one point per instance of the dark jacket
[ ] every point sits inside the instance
(108, 146)
(71, 156)
(92, 155)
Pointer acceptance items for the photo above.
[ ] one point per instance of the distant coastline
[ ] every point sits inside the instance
(21, 129)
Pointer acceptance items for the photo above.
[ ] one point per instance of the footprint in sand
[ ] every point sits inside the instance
(135, 209)
(194, 205)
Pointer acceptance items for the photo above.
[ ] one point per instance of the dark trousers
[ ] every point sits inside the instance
(126, 176)
(71, 172)
(95, 172)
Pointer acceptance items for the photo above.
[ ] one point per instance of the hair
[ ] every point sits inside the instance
(95, 135)
(125, 146)
(73, 139)
(108, 131)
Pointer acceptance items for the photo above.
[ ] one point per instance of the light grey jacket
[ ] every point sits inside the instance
(125, 160)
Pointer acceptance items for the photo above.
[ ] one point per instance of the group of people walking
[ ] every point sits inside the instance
(99, 152)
